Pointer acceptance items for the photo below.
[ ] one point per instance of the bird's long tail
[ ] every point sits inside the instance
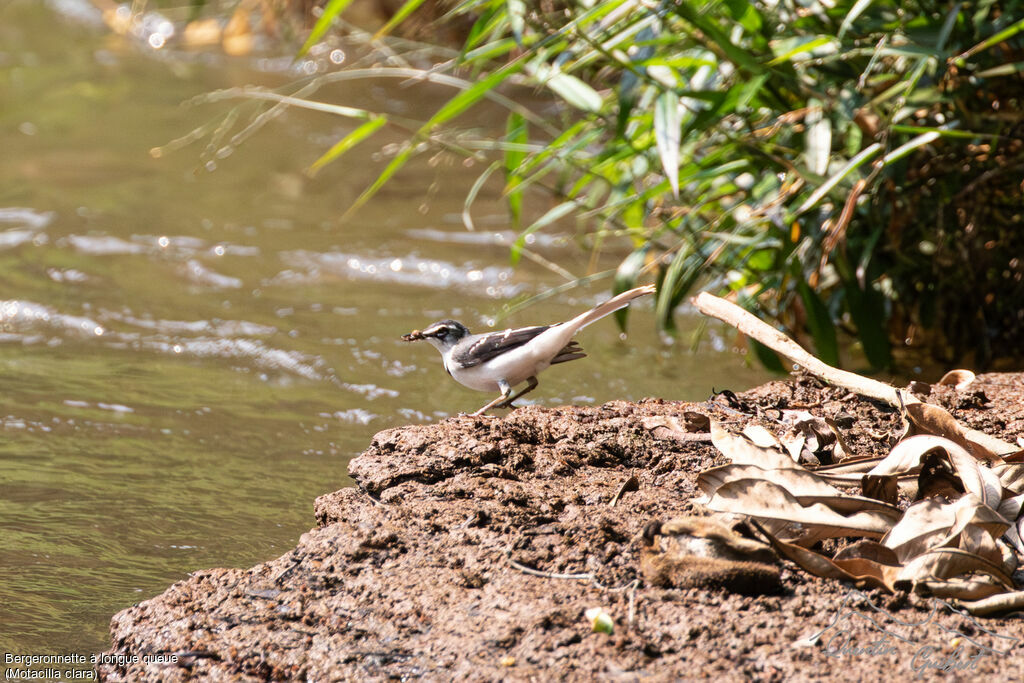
(607, 308)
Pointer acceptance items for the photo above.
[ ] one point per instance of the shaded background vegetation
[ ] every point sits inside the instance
(847, 166)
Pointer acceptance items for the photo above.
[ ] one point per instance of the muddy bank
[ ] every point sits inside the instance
(474, 548)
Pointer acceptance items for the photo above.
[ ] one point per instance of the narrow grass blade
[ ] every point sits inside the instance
(401, 15)
(560, 211)
(467, 217)
(819, 322)
(851, 16)
(846, 170)
(331, 10)
(667, 131)
(346, 143)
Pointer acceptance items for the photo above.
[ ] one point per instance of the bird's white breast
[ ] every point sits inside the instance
(514, 366)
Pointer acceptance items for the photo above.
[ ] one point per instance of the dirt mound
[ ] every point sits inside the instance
(474, 549)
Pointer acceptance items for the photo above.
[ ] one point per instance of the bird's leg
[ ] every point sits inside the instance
(531, 384)
(506, 389)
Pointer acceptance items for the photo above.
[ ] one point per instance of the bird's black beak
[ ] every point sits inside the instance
(415, 335)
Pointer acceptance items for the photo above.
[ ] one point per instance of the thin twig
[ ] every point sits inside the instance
(548, 575)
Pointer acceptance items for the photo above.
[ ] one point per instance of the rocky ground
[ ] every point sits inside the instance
(474, 548)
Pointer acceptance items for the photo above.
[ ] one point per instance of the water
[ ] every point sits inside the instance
(188, 358)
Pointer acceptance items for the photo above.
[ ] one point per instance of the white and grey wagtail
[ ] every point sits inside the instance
(497, 361)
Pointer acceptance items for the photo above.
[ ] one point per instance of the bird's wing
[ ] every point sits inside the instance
(488, 346)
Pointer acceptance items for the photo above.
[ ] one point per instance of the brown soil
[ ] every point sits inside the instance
(424, 569)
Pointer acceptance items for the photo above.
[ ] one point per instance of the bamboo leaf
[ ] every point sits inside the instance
(571, 89)
(820, 325)
(467, 216)
(851, 16)
(331, 10)
(346, 143)
(667, 123)
(1012, 30)
(516, 132)
(552, 215)
(908, 147)
(626, 277)
(390, 170)
(398, 17)
(517, 18)
(846, 170)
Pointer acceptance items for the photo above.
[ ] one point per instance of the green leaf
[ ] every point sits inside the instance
(398, 17)
(908, 147)
(667, 130)
(735, 53)
(626, 276)
(552, 215)
(851, 16)
(346, 143)
(516, 132)
(846, 170)
(804, 44)
(768, 358)
(817, 137)
(331, 10)
(1010, 31)
(571, 89)
(820, 325)
(678, 280)
(868, 314)
(467, 205)
(390, 170)
(517, 18)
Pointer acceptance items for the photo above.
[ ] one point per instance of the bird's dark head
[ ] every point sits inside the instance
(442, 334)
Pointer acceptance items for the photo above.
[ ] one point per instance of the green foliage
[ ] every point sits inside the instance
(802, 156)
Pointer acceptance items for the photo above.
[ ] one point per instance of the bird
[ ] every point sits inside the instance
(498, 361)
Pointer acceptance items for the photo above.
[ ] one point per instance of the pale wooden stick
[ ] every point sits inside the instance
(730, 313)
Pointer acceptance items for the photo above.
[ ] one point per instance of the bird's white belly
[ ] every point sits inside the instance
(515, 367)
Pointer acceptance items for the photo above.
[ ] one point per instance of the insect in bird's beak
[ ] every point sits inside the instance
(415, 335)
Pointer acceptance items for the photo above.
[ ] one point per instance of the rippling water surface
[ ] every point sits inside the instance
(188, 358)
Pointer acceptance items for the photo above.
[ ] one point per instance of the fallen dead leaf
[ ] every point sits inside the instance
(958, 379)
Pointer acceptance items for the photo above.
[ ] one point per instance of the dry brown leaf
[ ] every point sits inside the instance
(797, 481)
(862, 573)
(906, 455)
(765, 499)
(929, 522)
(843, 450)
(671, 427)
(961, 589)
(813, 439)
(806, 487)
(977, 479)
(996, 605)
(1010, 508)
(948, 563)
(883, 487)
(865, 549)
(975, 540)
(1011, 476)
(761, 436)
(931, 419)
(937, 478)
(958, 379)
(741, 451)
